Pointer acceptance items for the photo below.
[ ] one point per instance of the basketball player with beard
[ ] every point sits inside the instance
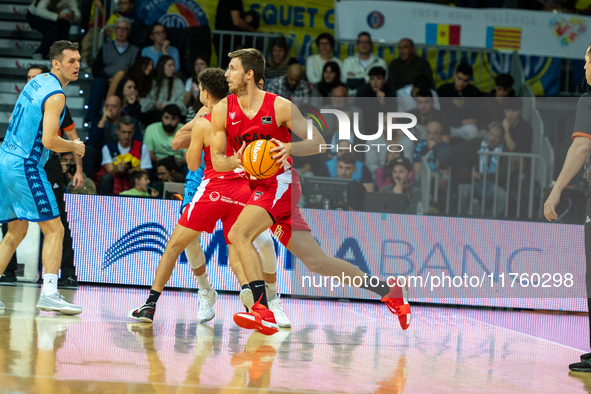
(250, 114)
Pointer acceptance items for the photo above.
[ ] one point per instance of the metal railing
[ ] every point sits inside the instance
(427, 179)
(537, 163)
(240, 37)
(442, 52)
(96, 33)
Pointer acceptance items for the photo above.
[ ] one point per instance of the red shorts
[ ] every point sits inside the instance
(279, 195)
(216, 199)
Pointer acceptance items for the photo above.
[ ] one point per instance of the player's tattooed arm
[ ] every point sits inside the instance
(219, 141)
(293, 119)
(200, 127)
(53, 108)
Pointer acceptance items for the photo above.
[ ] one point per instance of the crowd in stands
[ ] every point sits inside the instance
(145, 89)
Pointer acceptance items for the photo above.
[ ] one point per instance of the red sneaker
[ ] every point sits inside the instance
(397, 302)
(260, 319)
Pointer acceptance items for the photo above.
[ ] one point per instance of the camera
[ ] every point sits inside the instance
(72, 169)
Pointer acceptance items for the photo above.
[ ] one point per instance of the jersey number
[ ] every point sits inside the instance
(16, 119)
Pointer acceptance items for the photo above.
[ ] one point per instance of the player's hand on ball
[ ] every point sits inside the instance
(238, 156)
(282, 151)
(550, 205)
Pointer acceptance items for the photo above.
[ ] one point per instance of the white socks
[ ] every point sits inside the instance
(49, 284)
(203, 282)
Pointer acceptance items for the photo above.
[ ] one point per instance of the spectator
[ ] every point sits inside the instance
(127, 93)
(376, 158)
(291, 86)
(383, 176)
(331, 78)
(140, 181)
(124, 10)
(105, 130)
(518, 132)
(436, 149)
(191, 84)
(112, 57)
(357, 170)
(492, 110)
(405, 69)
(401, 170)
(167, 170)
(346, 168)
(356, 67)
(489, 165)
(69, 170)
(503, 86)
(166, 89)
(279, 58)
(405, 96)
(339, 100)
(161, 47)
(228, 17)
(159, 136)
(121, 158)
(461, 109)
(425, 113)
(377, 85)
(142, 73)
(51, 19)
(315, 63)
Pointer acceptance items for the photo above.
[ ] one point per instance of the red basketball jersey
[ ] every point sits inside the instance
(209, 172)
(262, 127)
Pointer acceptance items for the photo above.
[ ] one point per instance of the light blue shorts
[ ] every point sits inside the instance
(25, 192)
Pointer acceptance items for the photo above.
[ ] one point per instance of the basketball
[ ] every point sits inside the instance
(258, 161)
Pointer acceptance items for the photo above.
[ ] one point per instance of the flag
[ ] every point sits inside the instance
(503, 37)
(438, 34)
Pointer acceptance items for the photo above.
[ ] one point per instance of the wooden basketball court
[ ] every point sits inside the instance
(352, 347)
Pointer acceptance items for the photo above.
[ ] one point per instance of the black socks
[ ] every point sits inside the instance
(259, 292)
(153, 297)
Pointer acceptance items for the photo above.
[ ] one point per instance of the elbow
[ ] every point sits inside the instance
(176, 145)
(48, 143)
(192, 166)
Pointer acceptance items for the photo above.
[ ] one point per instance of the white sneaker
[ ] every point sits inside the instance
(207, 298)
(247, 299)
(280, 316)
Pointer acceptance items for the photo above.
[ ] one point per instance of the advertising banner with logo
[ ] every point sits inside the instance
(529, 32)
(461, 261)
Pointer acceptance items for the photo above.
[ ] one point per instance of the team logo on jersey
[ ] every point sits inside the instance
(257, 195)
(232, 115)
(278, 232)
(214, 196)
(267, 120)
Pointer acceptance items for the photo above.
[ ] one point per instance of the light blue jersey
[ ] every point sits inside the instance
(25, 131)
(25, 192)
(192, 181)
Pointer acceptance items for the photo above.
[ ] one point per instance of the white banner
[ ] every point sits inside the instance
(529, 32)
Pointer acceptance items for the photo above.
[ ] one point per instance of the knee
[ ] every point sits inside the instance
(17, 234)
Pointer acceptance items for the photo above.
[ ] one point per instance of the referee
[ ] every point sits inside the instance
(577, 156)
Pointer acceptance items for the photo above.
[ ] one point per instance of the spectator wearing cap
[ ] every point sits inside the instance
(401, 170)
(406, 95)
(315, 63)
(356, 68)
(405, 69)
(518, 131)
(460, 108)
(159, 136)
